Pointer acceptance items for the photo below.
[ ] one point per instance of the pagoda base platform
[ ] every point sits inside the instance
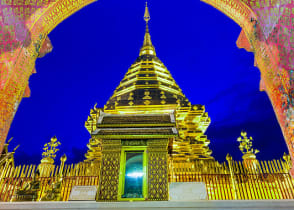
(150, 205)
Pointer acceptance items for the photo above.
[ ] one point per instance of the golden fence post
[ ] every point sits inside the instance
(11, 182)
(5, 169)
(62, 159)
(226, 172)
(261, 181)
(253, 171)
(270, 185)
(265, 182)
(65, 183)
(278, 186)
(2, 180)
(225, 184)
(242, 181)
(229, 160)
(287, 179)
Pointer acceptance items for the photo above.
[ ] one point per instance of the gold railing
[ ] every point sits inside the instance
(16, 178)
(230, 180)
(237, 180)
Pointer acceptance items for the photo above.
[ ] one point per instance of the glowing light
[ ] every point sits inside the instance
(135, 174)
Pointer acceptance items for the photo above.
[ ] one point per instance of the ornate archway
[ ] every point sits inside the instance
(26, 26)
(266, 31)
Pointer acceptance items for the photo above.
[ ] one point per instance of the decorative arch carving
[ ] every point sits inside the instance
(272, 58)
(265, 27)
(36, 19)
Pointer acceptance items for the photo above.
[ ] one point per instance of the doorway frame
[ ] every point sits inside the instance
(122, 171)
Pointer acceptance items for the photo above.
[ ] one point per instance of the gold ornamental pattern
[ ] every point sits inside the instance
(108, 187)
(157, 170)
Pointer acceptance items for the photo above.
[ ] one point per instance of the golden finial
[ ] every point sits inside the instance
(50, 148)
(229, 157)
(147, 48)
(146, 15)
(9, 140)
(63, 158)
(15, 148)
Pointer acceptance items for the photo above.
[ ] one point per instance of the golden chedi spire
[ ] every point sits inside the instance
(147, 77)
(149, 88)
(147, 48)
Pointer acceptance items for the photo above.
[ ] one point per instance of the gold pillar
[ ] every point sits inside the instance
(157, 169)
(109, 174)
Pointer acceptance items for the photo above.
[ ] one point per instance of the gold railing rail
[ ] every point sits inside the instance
(237, 180)
(232, 180)
(72, 175)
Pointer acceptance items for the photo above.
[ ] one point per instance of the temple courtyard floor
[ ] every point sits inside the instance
(150, 205)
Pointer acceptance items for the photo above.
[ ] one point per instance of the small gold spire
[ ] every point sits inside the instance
(146, 15)
(147, 48)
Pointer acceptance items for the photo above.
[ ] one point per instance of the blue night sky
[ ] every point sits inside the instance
(92, 51)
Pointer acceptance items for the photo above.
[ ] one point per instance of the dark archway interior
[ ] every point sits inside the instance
(93, 50)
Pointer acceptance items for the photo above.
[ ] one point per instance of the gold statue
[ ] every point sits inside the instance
(288, 164)
(49, 154)
(29, 191)
(50, 148)
(246, 145)
(249, 154)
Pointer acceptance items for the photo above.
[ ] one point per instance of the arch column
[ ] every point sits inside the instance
(275, 79)
(18, 65)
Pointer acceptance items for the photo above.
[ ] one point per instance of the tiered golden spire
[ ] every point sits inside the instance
(149, 88)
(147, 77)
(148, 48)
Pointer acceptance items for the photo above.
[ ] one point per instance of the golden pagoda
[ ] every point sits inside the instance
(149, 88)
(147, 106)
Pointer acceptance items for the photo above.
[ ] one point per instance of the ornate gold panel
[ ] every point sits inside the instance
(157, 169)
(109, 175)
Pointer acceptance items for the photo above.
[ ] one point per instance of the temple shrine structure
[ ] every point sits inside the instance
(148, 118)
(147, 138)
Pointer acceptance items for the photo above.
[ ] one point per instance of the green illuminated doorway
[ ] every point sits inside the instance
(132, 180)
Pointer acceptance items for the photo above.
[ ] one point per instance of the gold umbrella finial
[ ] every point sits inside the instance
(146, 15)
(147, 48)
